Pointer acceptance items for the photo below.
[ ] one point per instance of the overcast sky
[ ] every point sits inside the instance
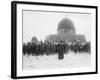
(41, 24)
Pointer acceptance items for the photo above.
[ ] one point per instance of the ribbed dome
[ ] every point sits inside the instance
(65, 24)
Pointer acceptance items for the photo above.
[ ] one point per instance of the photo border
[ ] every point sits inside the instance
(14, 38)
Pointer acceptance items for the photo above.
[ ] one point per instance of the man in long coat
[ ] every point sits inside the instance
(61, 50)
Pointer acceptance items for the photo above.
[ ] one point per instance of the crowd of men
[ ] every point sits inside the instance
(55, 48)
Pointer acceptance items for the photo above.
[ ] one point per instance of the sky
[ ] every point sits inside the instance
(42, 24)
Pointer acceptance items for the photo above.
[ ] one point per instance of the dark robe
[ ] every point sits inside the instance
(60, 51)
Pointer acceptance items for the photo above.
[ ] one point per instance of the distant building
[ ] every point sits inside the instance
(34, 40)
(65, 33)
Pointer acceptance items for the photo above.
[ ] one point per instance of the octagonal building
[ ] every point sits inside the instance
(65, 33)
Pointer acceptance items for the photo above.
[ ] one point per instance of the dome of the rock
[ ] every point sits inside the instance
(65, 33)
(65, 24)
